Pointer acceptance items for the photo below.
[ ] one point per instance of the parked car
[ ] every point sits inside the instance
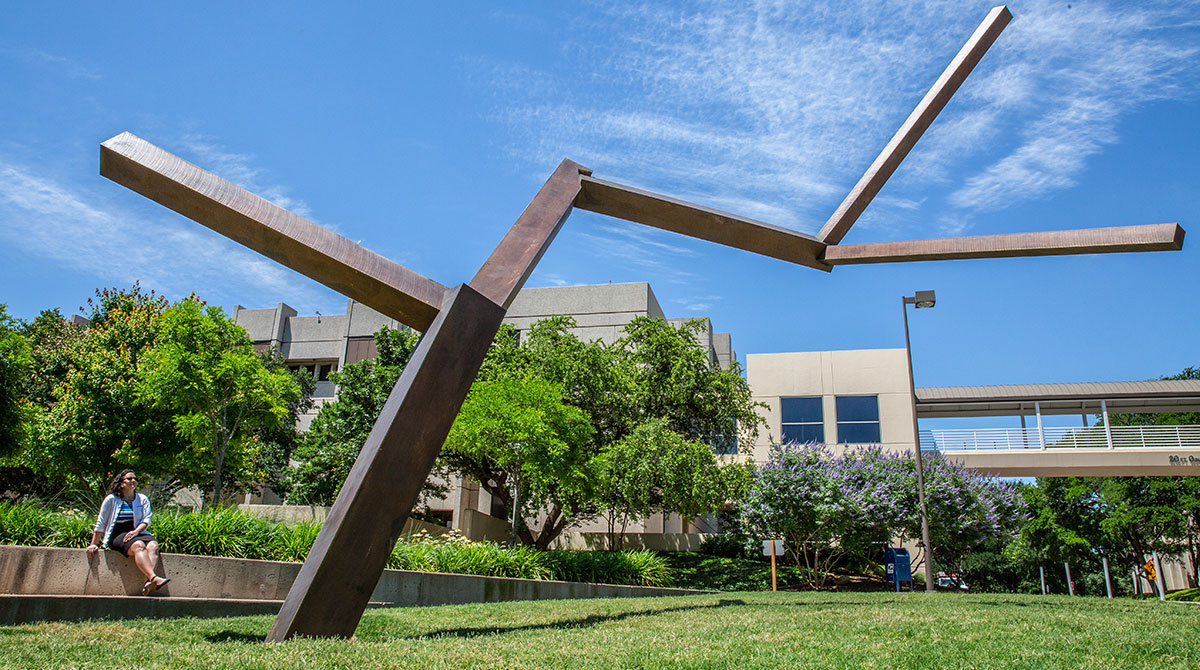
(952, 580)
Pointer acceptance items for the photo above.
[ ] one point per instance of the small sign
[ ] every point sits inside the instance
(778, 548)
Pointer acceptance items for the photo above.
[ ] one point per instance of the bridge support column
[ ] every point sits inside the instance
(1037, 408)
(1107, 426)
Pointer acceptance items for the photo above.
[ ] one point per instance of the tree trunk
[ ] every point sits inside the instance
(552, 527)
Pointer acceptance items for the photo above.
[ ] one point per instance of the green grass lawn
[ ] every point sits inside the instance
(729, 630)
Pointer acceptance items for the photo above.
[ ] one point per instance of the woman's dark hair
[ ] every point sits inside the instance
(114, 487)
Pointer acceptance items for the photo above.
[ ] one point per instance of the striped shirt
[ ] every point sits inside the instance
(125, 513)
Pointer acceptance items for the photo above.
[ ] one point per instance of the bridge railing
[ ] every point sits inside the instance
(1092, 437)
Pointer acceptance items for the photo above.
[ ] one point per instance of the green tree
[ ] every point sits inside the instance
(1144, 514)
(14, 373)
(518, 438)
(96, 421)
(656, 372)
(675, 380)
(203, 369)
(654, 469)
(277, 442)
(52, 340)
(327, 451)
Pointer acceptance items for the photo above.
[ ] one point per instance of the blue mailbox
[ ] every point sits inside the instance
(898, 567)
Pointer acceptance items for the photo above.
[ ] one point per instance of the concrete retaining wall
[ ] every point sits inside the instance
(52, 572)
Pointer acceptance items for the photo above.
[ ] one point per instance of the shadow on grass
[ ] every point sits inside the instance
(231, 636)
(585, 622)
(228, 636)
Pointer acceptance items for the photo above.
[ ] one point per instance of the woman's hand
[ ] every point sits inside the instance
(91, 550)
(130, 535)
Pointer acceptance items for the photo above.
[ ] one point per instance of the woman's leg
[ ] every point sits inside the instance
(152, 558)
(141, 559)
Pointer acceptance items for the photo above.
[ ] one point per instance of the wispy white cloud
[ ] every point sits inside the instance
(698, 303)
(48, 219)
(773, 109)
(636, 247)
(540, 278)
(65, 66)
(241, 170)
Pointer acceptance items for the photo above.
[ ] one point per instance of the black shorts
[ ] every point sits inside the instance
(117, 542)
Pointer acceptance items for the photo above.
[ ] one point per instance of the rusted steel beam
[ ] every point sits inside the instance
(511, 262)
(685, 218)
(272, 231)
(335, 583)
(930, 106)
(1154, 237)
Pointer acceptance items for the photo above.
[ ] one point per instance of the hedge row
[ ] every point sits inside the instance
(232, 533)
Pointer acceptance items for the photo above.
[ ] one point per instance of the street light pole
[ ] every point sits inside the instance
(919, 300)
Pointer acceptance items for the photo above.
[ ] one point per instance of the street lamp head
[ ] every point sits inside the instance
(921, 299)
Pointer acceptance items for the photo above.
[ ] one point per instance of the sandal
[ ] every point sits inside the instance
(152, 586)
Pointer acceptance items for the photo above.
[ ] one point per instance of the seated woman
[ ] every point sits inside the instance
(124, 517)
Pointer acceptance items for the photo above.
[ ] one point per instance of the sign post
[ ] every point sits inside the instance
(1107, 579)
(1162, 583)
(772, 548)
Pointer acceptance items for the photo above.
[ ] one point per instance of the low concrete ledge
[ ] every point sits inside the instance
(52, 573)
(24, 609)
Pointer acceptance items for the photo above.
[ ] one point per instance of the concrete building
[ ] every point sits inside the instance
(326, 343)
(836, 397)
(863, 397)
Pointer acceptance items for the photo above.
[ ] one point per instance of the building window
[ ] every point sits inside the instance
(858, 419)
(318, 369)
(724, 444)
(803, 420)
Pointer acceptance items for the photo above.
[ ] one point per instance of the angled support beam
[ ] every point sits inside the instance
(1154, 237)
(930, 106)
(677, 216)
(505, 271)
(272, 231)
(332, 589)
(342, 568)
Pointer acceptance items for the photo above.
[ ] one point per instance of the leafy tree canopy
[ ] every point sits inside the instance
(96, 421)
(14, 373)
(656, 373)
(204, 370)
(327, 451)
(518, 437)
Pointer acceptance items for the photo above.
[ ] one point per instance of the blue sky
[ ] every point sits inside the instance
(422, 130)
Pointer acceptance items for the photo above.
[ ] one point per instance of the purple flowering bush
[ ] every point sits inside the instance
(829, 508)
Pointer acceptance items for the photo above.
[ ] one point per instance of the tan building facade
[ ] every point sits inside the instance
(834, 397)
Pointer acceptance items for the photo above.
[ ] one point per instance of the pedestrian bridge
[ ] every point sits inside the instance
(1076, 452)
(1086, 451)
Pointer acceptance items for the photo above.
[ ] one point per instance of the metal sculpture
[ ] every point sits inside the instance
(332, 590)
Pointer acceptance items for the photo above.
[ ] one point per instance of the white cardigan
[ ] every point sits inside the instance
(108, 513)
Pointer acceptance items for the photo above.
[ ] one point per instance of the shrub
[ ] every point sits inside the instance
(453, 553)
(726, 545)
(292, 542)
(27, 523)
(632, 566)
